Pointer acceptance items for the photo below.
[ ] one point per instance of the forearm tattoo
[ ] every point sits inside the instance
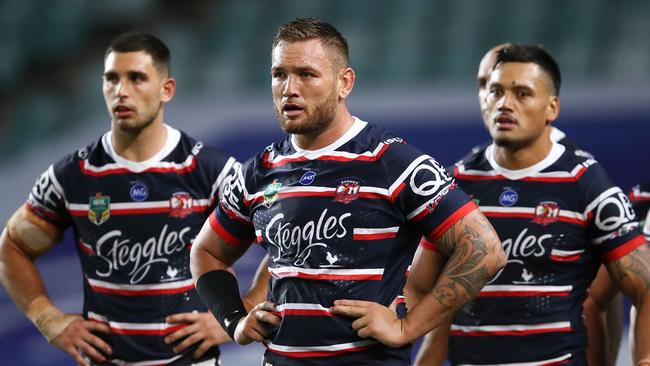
(466, 271)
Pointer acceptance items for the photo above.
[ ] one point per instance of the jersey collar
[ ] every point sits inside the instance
(556, 151)
(352, 132)
(173, 137)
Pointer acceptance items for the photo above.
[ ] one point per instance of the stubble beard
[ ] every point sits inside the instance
(315, 122)
(136, 127)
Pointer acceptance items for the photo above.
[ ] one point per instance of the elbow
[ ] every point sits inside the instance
(498, 260)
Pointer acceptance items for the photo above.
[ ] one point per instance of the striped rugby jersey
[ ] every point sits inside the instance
(640, 198)
(134, 224)
(342, 222)
(558, 221)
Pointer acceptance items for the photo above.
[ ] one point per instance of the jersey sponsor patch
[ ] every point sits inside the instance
(308, 178)
(139, 192)
(508, 197)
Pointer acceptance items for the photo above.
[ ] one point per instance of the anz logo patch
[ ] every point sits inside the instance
(508, 197)
(307, 178)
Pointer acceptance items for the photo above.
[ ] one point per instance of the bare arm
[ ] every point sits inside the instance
(24, 239)
(425, 270)
(434, 348)
(475, 255)
(632, 273)
(211, 253)
(604, 320)
(259, 289)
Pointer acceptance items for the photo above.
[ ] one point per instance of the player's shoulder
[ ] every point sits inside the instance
(475, 159)
(71, 161)
(189, 145)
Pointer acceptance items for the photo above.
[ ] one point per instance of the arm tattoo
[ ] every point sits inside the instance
(466, 271)
(632, 272)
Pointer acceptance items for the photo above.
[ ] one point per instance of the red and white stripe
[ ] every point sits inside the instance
(303, 309)
(524, 291)
(566, 255)
(638, 195)
(373, 274)
(316, 351)
(137, 208)
(287, 192)
(166, 288)
(374, 233)
(159, 167)
(158, 329)
(151, 362)
(550, 362)
(529, 213)
(550, 177)
(509, 330)
(86, 248)
(273, 161)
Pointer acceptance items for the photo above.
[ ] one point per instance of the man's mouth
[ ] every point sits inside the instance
(122, 111)
(291, 109)
(505, 121)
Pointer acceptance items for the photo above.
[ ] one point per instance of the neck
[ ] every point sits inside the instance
(139, 145)
(515, 158)
(342, 122)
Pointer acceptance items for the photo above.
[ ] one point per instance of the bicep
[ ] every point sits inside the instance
(632, 273)
(474, 237)
(31, 235)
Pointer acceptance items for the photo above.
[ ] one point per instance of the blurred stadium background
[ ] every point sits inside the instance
(415, 60)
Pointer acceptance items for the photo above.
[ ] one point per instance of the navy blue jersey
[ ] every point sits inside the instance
(558, 221)
(342, 222)
(134, 224)
(640, 198)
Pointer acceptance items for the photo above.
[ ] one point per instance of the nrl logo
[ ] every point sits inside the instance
(99, 209)
(271, 193)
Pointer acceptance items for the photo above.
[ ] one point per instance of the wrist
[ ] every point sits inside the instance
(49, 320)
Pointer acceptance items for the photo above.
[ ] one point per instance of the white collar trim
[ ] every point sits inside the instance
(172, 140)
(352, 132)
(556, 151)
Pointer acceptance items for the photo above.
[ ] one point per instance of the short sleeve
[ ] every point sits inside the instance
(231, 219)
(47, 200)
(429, 196)
(613, 227)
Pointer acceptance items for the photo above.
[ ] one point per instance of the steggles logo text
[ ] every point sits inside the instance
(136, 259)
(294, 243)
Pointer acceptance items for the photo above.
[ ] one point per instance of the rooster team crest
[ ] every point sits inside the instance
(181, 204)
(546, 212)
(99, 209)
(271, 193)
(347, 191)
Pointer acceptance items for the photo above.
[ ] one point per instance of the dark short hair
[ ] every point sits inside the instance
(303, 29)
(135, 41)
(533, 54)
